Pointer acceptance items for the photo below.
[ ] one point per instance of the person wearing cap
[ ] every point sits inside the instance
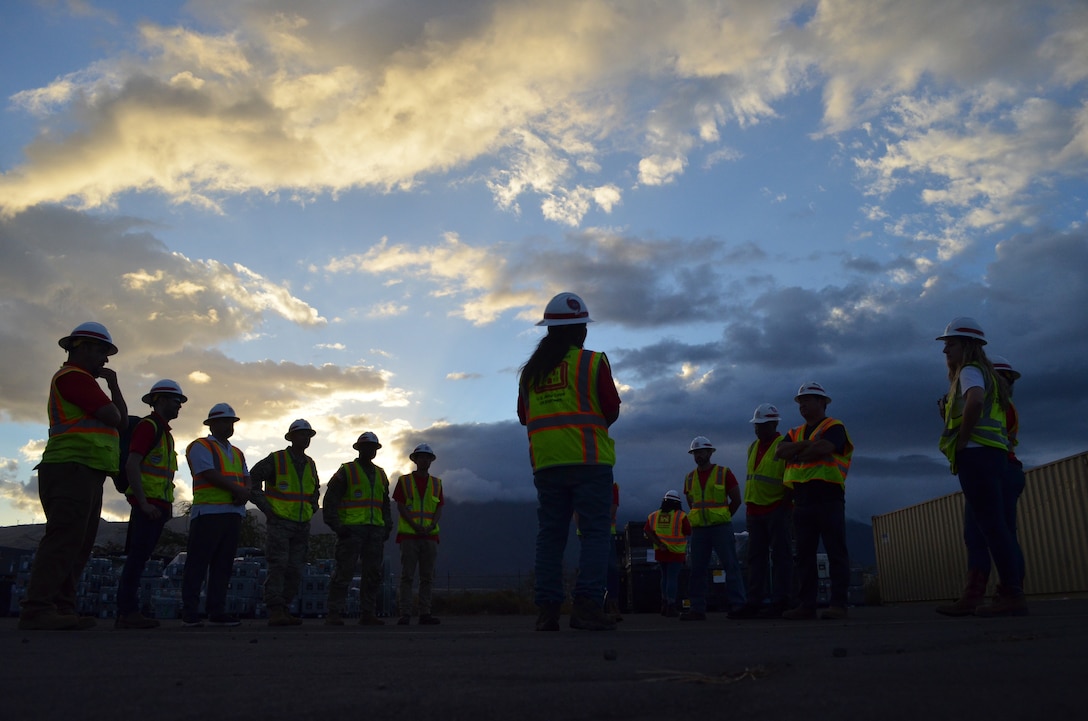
(713, 496)
(768, 507)
(975, 441)
(567, 401)
(150, 467)
(357, 509)
(668, 529)
(83, 448)
(286, 489)
(419, 500)
(817, 456)
(221, 489)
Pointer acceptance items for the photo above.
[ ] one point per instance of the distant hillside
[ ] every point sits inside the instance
(477, 538)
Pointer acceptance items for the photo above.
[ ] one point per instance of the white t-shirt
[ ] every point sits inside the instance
(971, 377)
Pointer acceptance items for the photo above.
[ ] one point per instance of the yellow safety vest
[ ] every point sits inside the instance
(564, 419)
(157, 468)
(831, 470)
(989, 431)
(291, 497)
(233, 468)
(763, 485)
(421, 509)
(75, 437)
(709, 504)
(668, 525)
(363, 499)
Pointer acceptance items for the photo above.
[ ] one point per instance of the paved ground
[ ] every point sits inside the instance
(883, 663)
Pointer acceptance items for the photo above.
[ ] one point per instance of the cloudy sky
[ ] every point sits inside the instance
(354, 211)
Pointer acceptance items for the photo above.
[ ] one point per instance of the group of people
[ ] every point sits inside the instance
(794, 488)
(794, 492)
(86, 428)
(567, 400)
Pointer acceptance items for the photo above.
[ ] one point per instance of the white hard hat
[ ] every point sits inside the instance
(964, 327)
(366, 437)
(221, 411)
(671, 496)
(765, 413)
(91, 330)
(1002, 365)
(700, 442)
(566, 309)
(423, 448)
(300, 425)
(164, 386)
(812, 388)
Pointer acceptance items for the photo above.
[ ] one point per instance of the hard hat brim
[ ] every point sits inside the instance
(980, 341)
(234, 419)
(797, 398)
(365, 443)
(66, 343)
(288, 434)
(565, 321)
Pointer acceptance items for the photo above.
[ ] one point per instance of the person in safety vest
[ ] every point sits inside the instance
(976, 442)
(83, 448)
(356, 507)
(668, 530)
(768, 510)
(419, 500)
(567, 401)
(152, 462)
(221, 489)
(288, 500)
(713, 496)
(817, 456)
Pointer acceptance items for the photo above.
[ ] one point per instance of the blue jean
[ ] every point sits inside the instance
(989, 514)
(705, 539)
(978, 553)
(670, 580)
(560, 491)
(769, 541)
(612, 585)
(826, 521)
(143, 536)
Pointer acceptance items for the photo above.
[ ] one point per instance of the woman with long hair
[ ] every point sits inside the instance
(975, 441)
(567, 400)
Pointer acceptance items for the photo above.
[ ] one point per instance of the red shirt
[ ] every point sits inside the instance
(83, 391)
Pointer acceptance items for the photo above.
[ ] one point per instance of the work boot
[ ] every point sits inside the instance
(1004, 603)
(775, 610)
(834, 613)
(279, 616)
(334, 619)
(369, 619)
(427, 619)
(801, 613)
(404, 620)
(586, 615)
(548, 618)
(135, 620)
(49, 621)
(612, 608)
(974, 592)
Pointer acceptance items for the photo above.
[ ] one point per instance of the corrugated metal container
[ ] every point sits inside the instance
(921, 556)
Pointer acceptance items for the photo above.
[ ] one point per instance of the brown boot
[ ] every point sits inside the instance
(278, 616)
(974, 592)
(1004, 603)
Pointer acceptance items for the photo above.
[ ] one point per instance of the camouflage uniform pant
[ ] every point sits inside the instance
(286, 546)
(421, 553)
(363, 544)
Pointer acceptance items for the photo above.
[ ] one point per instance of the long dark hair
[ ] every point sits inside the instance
(550, 352)
(973, 352)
